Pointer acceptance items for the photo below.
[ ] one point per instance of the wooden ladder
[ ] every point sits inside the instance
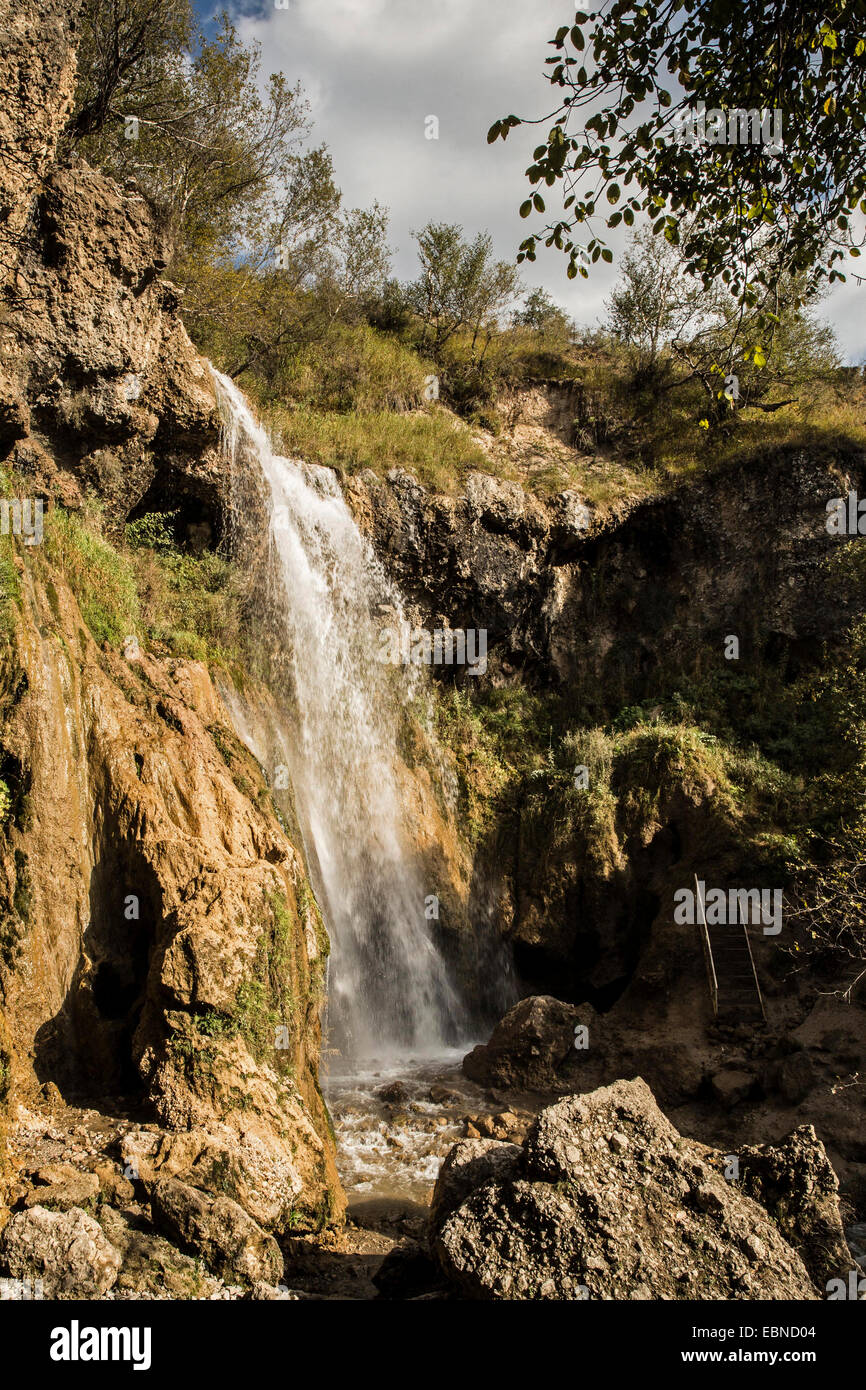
(734, 989)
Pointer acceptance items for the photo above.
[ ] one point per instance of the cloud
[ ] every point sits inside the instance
(373, 70)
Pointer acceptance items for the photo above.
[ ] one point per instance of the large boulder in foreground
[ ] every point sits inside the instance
(605, 1200)
(526, 1047)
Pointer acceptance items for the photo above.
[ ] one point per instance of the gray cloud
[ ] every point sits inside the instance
(374, 69)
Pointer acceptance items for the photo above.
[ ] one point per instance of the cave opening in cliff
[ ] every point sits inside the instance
(87, 1050)
(191, 522)
(599, 966)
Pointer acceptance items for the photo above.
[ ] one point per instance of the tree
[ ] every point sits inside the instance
(460, 285)
(828, 911)
(645, 73)
(675, 332)
(362, 256)
(183, 115)
(265, 255)
(124, 52)
(653, 304)
(542, 315)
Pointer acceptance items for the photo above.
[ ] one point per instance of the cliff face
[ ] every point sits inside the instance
(161, 953)
(599, 606)
(37, 58)
(608, 613)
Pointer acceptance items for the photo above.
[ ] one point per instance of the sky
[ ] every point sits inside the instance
(374, 70)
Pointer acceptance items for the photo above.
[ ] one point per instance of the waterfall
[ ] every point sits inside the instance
(389, 989)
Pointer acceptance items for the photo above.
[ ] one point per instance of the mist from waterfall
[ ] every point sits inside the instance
(389, 989)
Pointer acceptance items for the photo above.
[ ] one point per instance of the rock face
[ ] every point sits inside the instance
(66, 1250)
(606, 1200)
(159, 940)
(38, 62)
(139, 957)
(526, 1047)
(112, 397)
(602, 608)
(601, 602)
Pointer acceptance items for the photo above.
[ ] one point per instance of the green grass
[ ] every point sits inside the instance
(102, 579)
(354, 368)
(439, 450)
(144, 585)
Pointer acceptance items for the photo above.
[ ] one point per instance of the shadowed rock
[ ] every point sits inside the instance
(606, 1200)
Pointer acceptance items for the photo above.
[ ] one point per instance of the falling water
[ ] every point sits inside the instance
(389, 991)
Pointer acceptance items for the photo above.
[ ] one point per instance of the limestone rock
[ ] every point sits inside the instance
(796, 1183)
(217, 1228)
(38, 69)
(606, 1200)
(62, 1187)
(66, 1250)
(469, 1165)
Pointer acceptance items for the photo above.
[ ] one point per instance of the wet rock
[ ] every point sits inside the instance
(217, 1228)
(526, 1046)
(395, 1093)
(68, 1251)
(505, 1126)
(795, 1182)
(605, 1200)
(443, 1095)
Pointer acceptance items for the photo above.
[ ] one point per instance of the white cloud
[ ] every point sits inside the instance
(374, 69)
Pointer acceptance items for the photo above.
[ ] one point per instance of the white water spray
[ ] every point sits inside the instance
(389, 991)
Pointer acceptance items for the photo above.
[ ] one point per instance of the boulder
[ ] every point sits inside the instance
(61, 1187)
(395, 1093)
(731, 1085)
(795, 1182)
(443, 1095)
(218, 1229)
(469, 1165)
(605, 1200)
(526, 1047)
(67, 1251)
